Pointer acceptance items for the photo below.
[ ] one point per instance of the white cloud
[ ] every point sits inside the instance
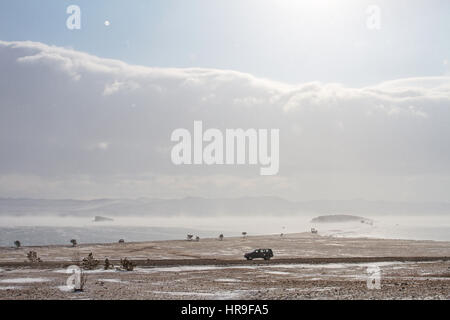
(117, 86)
(56, 101)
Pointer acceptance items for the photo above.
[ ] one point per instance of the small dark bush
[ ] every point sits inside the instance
(89, 263)
(127, 264)
(33, 257)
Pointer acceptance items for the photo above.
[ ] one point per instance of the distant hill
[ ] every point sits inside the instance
(335, 218)
(101, 219)
(192, 206)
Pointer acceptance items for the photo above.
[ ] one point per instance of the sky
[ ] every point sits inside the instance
(287, 40)
(362, 113)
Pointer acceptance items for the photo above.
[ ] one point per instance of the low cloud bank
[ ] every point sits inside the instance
(76, 125)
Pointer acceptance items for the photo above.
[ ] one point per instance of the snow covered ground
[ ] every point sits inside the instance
(187, 269)
(399, 280)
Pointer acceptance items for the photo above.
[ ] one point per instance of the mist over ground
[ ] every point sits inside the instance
(37, 221)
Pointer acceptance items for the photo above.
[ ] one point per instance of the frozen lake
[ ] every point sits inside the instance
(32, 230)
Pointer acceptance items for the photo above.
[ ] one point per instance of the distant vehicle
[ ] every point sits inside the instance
(266, 254)
(313, 230)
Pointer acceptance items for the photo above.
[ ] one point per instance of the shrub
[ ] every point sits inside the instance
(89, 263)
(108, 264)
(83, 279)
(33, 257)
(127, 264)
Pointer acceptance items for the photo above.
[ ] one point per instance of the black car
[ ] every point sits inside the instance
(266, 254)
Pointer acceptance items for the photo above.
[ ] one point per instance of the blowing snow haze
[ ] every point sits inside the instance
(202, 207)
